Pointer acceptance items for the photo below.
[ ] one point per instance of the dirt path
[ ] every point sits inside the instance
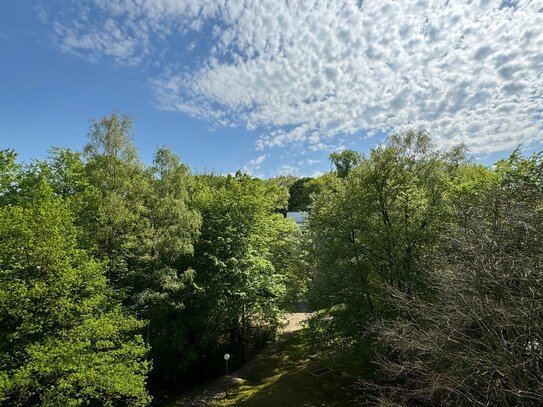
(215, 389)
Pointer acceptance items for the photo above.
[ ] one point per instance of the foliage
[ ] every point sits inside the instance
(133, 263)
(478, 342)
(115, 215)
(299, 195)
(345, 161)
(108, 267)
(64, 341)
(242, 259)
(9, 174)
(144, 228)
(376, 228)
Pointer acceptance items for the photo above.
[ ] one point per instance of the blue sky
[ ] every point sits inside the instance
(272, 87)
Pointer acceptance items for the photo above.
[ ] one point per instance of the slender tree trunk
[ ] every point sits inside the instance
(243, 333)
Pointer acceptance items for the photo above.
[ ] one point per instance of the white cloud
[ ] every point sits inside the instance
(253, 166)
(309, 162)
(287, 169)
(316, 174)
(304, 72)
(258, 160)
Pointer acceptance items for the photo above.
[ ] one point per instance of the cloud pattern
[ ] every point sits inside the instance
(306, 72)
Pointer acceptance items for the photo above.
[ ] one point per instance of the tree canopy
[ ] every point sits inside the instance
(65, 340)
(120, 280)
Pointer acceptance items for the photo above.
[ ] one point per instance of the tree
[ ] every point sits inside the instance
(299, 195)
(478, 340)
(157, 265)
(162, 281)
(345, 161)
(144, 227)
(376, 228)
(117, 177)
(9, 176)
(65, 340)
(237, 260)
(65, 172)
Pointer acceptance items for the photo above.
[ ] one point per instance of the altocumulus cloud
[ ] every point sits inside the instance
(253, 166)
(308, 71)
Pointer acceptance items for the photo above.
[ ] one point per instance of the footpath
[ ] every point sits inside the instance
(215, 390)
(279, 376)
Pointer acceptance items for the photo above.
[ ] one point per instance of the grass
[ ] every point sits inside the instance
(281, 377)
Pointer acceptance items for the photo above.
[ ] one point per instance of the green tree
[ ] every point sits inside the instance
(144, 227)
(162, 278)
(65, 172)
(239, 259)
(299, 195)
(345, 161)
(117, 177)
(9, 176)
(64, 340)
(478, 340)
(377, 228)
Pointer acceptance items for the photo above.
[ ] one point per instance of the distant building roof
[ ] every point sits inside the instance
(298, 217)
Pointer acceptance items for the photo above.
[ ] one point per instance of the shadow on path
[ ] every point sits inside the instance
(214, 391)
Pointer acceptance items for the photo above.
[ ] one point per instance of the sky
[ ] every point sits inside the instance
(272, 87)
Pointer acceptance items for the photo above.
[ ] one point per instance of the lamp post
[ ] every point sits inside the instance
(226, 357)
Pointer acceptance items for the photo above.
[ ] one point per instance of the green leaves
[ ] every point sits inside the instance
(65, 340)
(9, 174)
(376, 225)
(345, 161)
(106, 264)
(473, 341)
(241, 259)
(97, 360)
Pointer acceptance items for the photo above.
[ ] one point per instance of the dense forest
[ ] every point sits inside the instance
(120, 281)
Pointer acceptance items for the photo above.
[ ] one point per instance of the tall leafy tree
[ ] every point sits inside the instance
(144, 227)
(162, 278)
(345, 161)
(376, 227)
(238, 258)
(65, 340)
(478, 340)
(117, 175)
(204, 262)
(10, 172)
(301, 192)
